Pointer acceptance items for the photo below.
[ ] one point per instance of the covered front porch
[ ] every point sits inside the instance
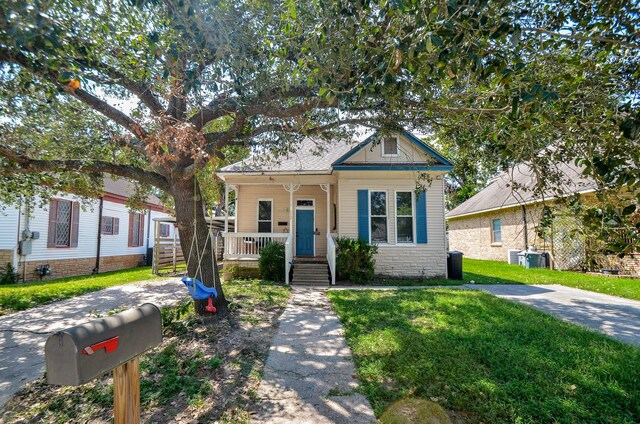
(299, 212)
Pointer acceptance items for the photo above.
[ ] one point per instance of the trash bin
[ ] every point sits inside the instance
(533, 260)
(454, 265)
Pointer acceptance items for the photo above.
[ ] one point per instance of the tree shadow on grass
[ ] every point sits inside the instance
(489, 359)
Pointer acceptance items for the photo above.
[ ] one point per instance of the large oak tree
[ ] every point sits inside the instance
(155, 90)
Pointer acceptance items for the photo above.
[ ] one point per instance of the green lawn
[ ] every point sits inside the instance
(486, 359)
(492, 272)
(17, 297)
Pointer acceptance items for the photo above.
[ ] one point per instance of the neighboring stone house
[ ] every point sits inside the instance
(506, 214)
(365, 190)
(71, 240)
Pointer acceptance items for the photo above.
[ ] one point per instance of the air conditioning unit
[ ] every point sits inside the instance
(513, 256)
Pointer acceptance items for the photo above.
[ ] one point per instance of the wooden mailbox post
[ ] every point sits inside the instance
(79, 354)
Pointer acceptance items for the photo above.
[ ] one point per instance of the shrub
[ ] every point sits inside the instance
(271, 263)
(354, 260)
(8, 275)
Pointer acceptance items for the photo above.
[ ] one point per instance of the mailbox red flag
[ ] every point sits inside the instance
(109, 345)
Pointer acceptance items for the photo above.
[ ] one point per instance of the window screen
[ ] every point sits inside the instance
(378, 217)
(404, 217)
(264, 216)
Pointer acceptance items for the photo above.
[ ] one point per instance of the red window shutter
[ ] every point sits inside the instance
(116, 226)
(141, 231)
(53, 214)
(75, 222)
(130, 229)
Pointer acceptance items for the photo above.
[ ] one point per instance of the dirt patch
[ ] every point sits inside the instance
(205, 370)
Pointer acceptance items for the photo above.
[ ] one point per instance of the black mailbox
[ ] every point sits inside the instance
(79, 354)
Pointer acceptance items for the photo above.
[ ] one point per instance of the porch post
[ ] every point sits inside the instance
(291, 188)
(327, 189)
(226, 208)
(290, 211)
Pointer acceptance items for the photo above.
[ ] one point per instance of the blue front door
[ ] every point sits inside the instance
(304, 233)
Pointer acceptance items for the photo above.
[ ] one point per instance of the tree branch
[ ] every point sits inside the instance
(583, 37)
(226, 104)
(142, 91)
(28, 164)
(90, 100)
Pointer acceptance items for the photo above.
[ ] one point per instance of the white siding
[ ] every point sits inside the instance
(429, 259)
(9, 228)
(87, 236)
(111, 245)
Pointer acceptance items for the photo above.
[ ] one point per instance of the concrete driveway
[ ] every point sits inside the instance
(613, 316)
(23, 334)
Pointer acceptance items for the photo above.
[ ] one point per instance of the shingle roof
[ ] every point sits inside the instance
(318, 156)
(125, 188)
(501, 192)
(307, 157)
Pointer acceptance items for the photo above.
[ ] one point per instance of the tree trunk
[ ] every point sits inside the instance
(199, 254)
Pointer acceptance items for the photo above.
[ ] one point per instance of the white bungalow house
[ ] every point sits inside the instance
(68, 239)
(365, 190)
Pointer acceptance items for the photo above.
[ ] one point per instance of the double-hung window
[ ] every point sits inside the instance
(496, 231)
(404, 217)
(378, 214)
(136, 229)
(265, 216)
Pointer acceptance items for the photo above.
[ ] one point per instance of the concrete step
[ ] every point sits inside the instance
(310, 282)
(323, 271)
(309, 266)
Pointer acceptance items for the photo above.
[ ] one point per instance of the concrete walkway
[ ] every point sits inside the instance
(309, 376)
(23, 334)
(611, 315)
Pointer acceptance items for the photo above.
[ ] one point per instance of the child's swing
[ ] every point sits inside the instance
(197, 289)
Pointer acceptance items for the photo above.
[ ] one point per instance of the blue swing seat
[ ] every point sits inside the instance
(199, 291)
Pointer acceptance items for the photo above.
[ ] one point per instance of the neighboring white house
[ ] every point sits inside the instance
(71, 240)
(365, 190)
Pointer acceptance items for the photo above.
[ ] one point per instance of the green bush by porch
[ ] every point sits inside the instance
(272, 262)
(354, 260)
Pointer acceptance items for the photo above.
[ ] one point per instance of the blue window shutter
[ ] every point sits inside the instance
(363, 215)
(421, 218)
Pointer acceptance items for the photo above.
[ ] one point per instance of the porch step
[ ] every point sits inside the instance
(309, 273)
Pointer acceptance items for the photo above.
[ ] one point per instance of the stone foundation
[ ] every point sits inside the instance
(243, 268)
(74, 267)
(6, 257)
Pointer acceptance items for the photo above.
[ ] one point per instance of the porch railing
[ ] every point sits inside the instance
(331, 257)
(248, 245)
(288, 257)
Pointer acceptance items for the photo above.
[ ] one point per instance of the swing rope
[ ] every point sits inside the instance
(196, 288)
